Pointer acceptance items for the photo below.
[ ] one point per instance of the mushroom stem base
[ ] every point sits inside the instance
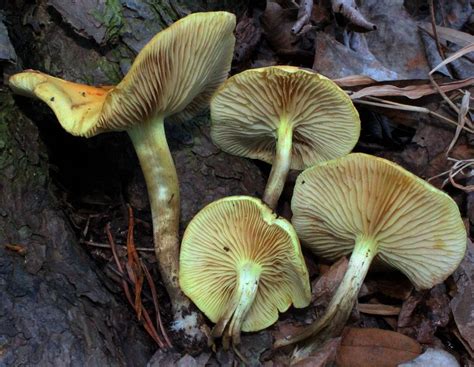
(230, 324)
(339, 309)
(149, 140)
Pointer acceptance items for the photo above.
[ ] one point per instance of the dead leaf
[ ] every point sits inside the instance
(335, 60)
(324, 356)
(411, 91)
(325, 286)
(449, 34)
(353, 81)
(378, 309)
(423, 313)
(375, 347)
(463, 302)
(286, 329)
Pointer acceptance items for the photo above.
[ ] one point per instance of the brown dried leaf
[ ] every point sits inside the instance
(463, 302)
(335, 60)
(378, 309)
(375, 347)
(326, 284)
(449, 34)
(324, 356)
(465, 50)
(354, 81)
(423, 313)
(411, 91)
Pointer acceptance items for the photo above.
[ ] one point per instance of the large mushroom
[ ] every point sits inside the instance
(173, 76)
(286, 116)
(241, 264)
(374, 209)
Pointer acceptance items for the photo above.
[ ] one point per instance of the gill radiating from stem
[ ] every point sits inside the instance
(280, 165)
(337, 313)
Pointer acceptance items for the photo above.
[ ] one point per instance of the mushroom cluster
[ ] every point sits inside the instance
(240, 263)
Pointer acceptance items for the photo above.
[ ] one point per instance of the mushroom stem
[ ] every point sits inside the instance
(335, 316)
(149, 140)
(280, 165)
(245, 293)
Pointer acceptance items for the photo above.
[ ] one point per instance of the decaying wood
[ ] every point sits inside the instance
(304, 15)
(348, 10)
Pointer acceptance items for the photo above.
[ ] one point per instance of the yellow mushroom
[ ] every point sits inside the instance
(241, 264)
(286, 116)
(374, 209)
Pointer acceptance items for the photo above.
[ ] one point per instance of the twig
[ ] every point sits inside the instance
(107, 246)
(458, 167)
(86, 228)
(154, 295)
(461, 119)
(148, 325)
(435, 32)
(16, 248)
(403, 107)
(457, 55)
(304, 16)
(134, 269)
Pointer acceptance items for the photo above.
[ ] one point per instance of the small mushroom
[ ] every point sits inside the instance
(286, 116)
(173, 76)
(241, 264)
(374, 209)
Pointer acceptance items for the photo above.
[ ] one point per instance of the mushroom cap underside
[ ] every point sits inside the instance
(417, 228)
(250, 107)
(174, 75)
(229, 234)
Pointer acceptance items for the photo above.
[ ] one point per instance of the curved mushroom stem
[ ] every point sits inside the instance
(339, 309)
(280, 165)
(149, 140)
(247, 286)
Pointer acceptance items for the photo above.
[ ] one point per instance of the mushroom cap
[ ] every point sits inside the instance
(175, 75)
(249, 107)
(417, 228)
(230, 233)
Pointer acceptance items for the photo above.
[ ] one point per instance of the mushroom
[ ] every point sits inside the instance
(376, 210)
(241, 264)
(173, 76)
(286, 116)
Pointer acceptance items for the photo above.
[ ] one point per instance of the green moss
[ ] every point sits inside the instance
(111, 70)
(112, 18)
